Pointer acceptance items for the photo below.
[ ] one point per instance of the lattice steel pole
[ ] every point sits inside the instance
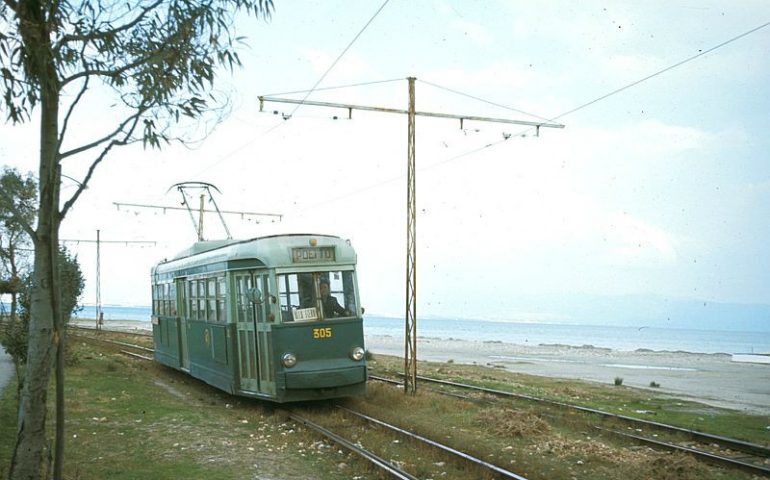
(410, 338)
(98, 284)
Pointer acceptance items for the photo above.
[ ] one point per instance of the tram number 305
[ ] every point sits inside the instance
(322, 332)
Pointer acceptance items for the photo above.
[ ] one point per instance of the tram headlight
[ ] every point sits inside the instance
(289, 359)
(357, 353)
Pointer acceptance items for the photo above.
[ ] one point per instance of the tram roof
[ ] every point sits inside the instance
(270, 251)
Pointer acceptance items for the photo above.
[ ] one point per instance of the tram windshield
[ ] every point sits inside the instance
(316, 296)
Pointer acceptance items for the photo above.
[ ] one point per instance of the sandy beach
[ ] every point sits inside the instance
(713, 379)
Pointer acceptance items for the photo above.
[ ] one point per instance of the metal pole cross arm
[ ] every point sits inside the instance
(351, 107)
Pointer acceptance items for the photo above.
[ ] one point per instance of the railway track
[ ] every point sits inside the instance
(388, 467)
(379, 427)
(715, 449)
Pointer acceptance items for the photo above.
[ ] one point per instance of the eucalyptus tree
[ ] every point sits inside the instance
(152, 63)
(14, 241)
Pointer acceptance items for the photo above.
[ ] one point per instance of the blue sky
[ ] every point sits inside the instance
(661, 190)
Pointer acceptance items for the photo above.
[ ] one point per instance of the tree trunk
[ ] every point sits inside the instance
(31, 445)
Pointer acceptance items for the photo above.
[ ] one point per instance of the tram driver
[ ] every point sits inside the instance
(331, 306)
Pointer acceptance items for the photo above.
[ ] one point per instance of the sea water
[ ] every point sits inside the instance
(628, 338)
(625, 338)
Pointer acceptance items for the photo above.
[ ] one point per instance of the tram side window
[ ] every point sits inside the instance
(220, 298)
(201, 296)
(164, 299)
(211, 299)
(172, 299)
(155, 300)
(192, 298)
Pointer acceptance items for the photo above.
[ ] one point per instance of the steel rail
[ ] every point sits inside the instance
(143, 357)
(440, 446)
(116, 342)
(383, 464)
(736, 444)
(131, 345)
(94, 329)
(753, 449)
(709, 456)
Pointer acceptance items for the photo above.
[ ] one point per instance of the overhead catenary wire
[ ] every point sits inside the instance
(552, 119)
(309, 92)
(339, 57)
(664, 70)
(457, 92)
(337, 87)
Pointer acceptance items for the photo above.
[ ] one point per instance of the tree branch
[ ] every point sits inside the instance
(105, 33)
(66, 120)
(106, 73)
(107, 137)
(17, 215)
(135, 118)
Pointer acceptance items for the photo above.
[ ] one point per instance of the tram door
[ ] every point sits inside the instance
(248, 296)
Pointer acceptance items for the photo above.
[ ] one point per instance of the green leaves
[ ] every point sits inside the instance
(161, 56)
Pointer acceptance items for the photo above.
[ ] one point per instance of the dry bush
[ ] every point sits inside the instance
(675, 466)
(514, 423)
(631, 464)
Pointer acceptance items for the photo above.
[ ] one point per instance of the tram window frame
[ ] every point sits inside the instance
(220, 298)
(200, 288)
(293, 291)
(155, 300)
(192, 298)
(243, 282)
(164, 299)
(172, 310)
(210, 301)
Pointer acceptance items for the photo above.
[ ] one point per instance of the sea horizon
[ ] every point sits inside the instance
(615, 337)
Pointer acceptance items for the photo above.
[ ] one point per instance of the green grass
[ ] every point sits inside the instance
(7, 426)
(129, 419)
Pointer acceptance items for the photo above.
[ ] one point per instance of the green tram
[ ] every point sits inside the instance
(274, 317)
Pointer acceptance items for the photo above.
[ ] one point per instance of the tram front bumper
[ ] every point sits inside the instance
(338, 377)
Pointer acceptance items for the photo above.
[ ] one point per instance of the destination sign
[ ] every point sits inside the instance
(312, 254)
(302, 314)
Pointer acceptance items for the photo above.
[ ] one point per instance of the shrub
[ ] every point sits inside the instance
(618, 381)
(654, 384)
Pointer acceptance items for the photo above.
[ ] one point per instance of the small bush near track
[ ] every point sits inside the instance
(514, 423)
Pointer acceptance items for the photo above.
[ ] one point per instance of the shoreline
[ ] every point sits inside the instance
(709, 378)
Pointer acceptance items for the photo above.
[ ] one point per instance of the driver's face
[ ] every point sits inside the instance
(324, 289)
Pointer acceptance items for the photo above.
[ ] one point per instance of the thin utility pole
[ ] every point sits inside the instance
(410, 338)
(99, 312)
(99, 315)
